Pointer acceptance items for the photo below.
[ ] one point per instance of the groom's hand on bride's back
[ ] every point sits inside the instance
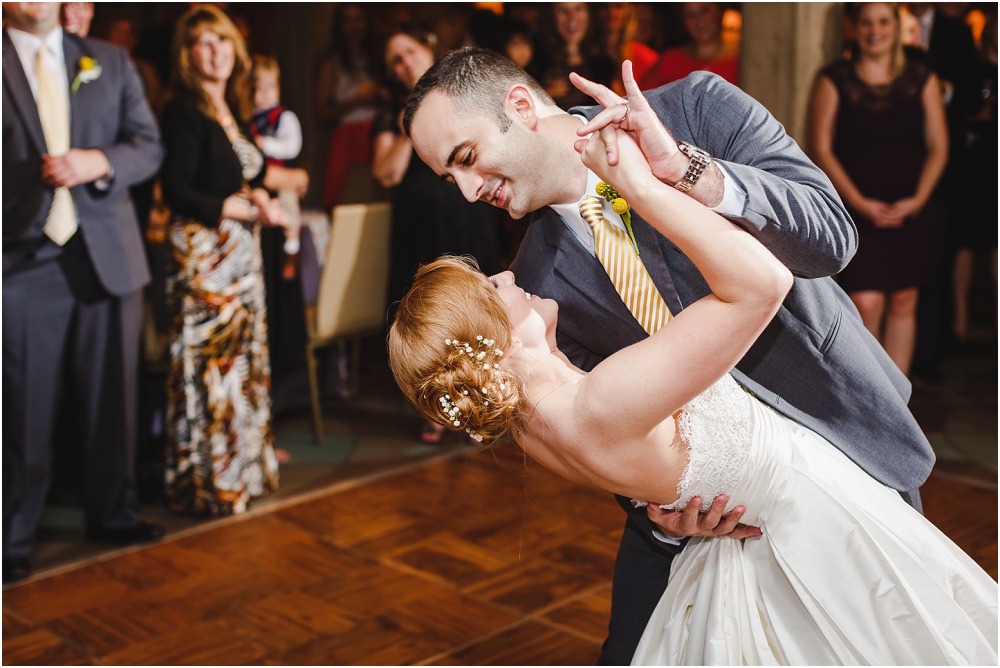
(692, 522)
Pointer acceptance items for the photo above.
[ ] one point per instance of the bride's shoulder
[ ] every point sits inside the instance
(553, 422)
(589, 412)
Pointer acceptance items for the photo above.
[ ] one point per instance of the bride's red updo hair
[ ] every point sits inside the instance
(451, 301)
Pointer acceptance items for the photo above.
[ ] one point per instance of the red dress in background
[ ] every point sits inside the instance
(675, 64)
(642, 58)
(350, 144)
(351, 140)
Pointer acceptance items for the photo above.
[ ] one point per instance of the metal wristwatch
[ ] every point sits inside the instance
(699, 163)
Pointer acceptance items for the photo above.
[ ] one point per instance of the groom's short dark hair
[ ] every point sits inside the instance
(477, 80)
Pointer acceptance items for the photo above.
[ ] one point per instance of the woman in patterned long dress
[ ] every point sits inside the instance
(220, 450)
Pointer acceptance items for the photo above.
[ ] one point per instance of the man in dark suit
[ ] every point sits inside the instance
(947, 47)
(481, 123)
(77, 134)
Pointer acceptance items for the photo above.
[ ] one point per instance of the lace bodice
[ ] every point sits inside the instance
(717, 427)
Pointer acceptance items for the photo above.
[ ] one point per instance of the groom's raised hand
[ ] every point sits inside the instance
(692, 522)
(636, 117)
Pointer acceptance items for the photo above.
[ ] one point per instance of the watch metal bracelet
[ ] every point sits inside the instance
(699, 163)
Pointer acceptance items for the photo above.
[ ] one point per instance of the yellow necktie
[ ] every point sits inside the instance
(627, 273)
(53, 112)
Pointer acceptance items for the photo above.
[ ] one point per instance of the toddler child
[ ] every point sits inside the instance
(279, 136)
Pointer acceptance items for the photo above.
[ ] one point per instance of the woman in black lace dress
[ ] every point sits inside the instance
(219, 444)
(877, 129)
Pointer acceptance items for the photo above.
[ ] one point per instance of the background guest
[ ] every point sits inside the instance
(518, 44)
(347, 96)
(707, 50)
(628, 30)
(73, 273)
(975, 226)
(76, 17)
(219, 443)
(450, 24)
(621, 25)
(278, 134)
(528, 13)
(612, 17)
(570, 42)
(488, 29)
(122, 27)
(276, 130)
(878, 130)
(945, 44)
(429, 217)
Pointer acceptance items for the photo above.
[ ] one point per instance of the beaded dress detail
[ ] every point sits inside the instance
(717, 427)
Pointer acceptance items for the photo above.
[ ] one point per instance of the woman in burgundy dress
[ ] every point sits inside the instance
(707, 49)
(877, 129)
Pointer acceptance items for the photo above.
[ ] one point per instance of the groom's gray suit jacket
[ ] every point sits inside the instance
(815, 362)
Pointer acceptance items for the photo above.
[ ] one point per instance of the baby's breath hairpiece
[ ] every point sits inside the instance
(620, 206)
(483, 348)
(484, 356)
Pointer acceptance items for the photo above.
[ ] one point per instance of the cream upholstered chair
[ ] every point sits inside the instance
(352, 289)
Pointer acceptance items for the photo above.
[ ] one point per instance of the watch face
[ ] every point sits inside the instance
(693, 152)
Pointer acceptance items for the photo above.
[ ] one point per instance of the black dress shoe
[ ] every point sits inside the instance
(15, 569)
(143, 532)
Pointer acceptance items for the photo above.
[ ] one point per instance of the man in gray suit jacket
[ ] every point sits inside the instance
(494, 132)
(77, 134)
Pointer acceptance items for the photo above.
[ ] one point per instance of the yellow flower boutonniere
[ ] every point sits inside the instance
(620, 206)
(90, 70)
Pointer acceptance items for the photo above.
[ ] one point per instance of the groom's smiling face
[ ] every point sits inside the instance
(507, 169)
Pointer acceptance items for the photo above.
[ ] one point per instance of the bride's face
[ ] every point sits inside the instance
(532, 317)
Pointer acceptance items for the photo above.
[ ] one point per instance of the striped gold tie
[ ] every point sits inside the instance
(627, 273)
(53, 112)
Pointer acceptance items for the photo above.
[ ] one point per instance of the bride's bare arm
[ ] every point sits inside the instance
(640, 386)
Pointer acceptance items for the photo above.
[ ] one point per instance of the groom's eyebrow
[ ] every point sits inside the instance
(454, 152)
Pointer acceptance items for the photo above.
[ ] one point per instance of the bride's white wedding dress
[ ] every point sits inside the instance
(844, 573)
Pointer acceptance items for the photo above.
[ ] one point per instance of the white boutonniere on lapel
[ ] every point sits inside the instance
(90, 70)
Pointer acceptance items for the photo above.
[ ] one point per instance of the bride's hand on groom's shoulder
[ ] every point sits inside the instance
(637, 118)
(692, 522)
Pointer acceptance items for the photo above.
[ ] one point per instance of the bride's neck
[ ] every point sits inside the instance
(543, 370)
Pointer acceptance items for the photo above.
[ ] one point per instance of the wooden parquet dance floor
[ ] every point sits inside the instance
(470, 560)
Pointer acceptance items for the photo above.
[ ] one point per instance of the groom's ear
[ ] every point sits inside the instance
(520, 104)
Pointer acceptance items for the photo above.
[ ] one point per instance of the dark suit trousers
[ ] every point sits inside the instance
(642, 569)
(64, 335)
